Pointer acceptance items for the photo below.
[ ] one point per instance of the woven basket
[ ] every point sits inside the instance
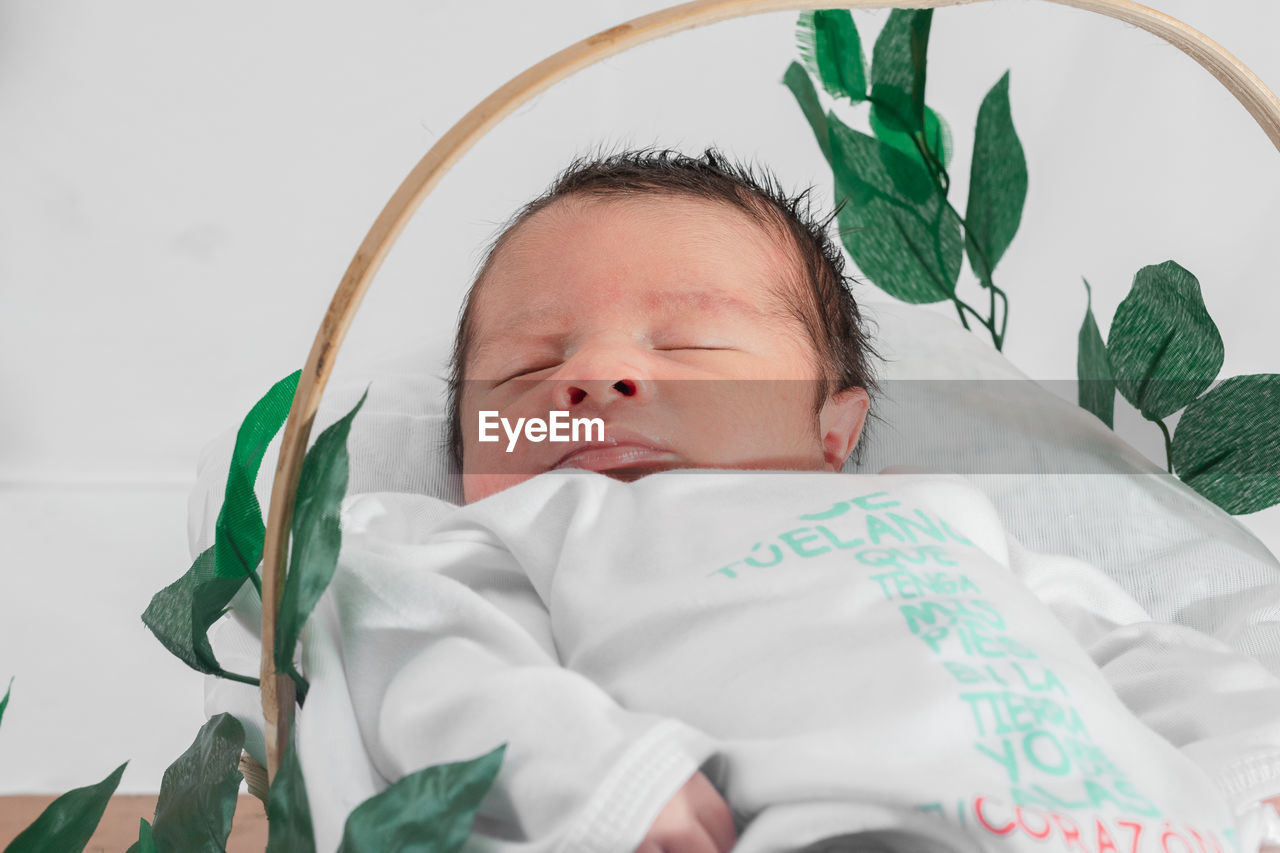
(278, 690)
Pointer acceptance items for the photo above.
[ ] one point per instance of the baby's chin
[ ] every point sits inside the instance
(479, 486)
(630, 474)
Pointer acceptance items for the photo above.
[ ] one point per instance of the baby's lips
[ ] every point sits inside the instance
(612, 457)
(620, 448)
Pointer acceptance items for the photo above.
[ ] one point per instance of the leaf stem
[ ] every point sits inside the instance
(1168, 446)
(939, 170)
(942, 181)
(1004, 315)
(998, 337)
(960, 304)
(992, 293)
(243, 679)
(983, 271)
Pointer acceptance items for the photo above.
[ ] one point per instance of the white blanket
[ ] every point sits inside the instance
(837, 652)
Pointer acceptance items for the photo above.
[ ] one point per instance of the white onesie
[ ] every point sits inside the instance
(837, 652)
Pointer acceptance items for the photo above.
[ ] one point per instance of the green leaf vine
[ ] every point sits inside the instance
(433, 808)
(1163, 351)
(895, 217)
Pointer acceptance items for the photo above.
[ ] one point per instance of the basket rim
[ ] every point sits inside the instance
(277, 690)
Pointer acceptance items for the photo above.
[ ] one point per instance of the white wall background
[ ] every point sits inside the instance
(182, 185)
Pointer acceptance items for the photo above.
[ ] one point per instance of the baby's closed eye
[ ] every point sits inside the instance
(529, 371)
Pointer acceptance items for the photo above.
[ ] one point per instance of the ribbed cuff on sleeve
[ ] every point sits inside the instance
(1246, 773)
(1246, 769)
(620, 812)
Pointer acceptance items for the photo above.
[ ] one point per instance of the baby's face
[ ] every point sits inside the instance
(666, 318)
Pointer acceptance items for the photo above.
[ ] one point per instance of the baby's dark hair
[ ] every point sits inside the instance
(830, 317)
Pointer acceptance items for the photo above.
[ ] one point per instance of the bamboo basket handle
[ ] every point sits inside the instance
(278, 690)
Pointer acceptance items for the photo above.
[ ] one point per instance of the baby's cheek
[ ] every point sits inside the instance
(478, 486)
(767, 413)
(487, 468)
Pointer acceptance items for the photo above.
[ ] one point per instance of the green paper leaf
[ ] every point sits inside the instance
(430, 811)
(198, 791)
(997, 182)
(69, 821)
(239, 530)
(209, 602)
(288, 811)
(145, 843)
(168, 616)
(797, 80)
(1097, 387)
(898, 70)
(1227, 443)
(908, 247)
(832, 51)
(180, 614)
(937, 136)
(1164, 348)
(317, 536)
(4, 703)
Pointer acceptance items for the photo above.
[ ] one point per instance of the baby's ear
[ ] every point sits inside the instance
(840, 424)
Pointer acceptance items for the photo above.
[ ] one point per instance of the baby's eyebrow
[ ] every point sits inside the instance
(546, 317)
(682, 301)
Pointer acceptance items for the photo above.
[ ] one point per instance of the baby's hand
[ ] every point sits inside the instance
(695, 820)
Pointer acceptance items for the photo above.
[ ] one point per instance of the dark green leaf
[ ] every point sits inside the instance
(208, 603)
(199, 790)
(898, 70)
(908, 247)
(997, 182)
(899, 116)
(180, 614)
(797, 80)
(1164, 348)
(239, 530)
(169, 613)
(288, 812)
(4, 703)
(937, 134)
(1097, 387)
(145, 843)
(832, 51)
(68, 823)
(316, 535)
(430, 811)
(1227, 443)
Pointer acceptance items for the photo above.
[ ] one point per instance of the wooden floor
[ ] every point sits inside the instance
(119, 826)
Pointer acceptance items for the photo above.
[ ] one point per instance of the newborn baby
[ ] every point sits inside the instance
(691, 627)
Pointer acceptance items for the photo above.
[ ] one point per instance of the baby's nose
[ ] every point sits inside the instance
(600, 374)
(572, 393)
